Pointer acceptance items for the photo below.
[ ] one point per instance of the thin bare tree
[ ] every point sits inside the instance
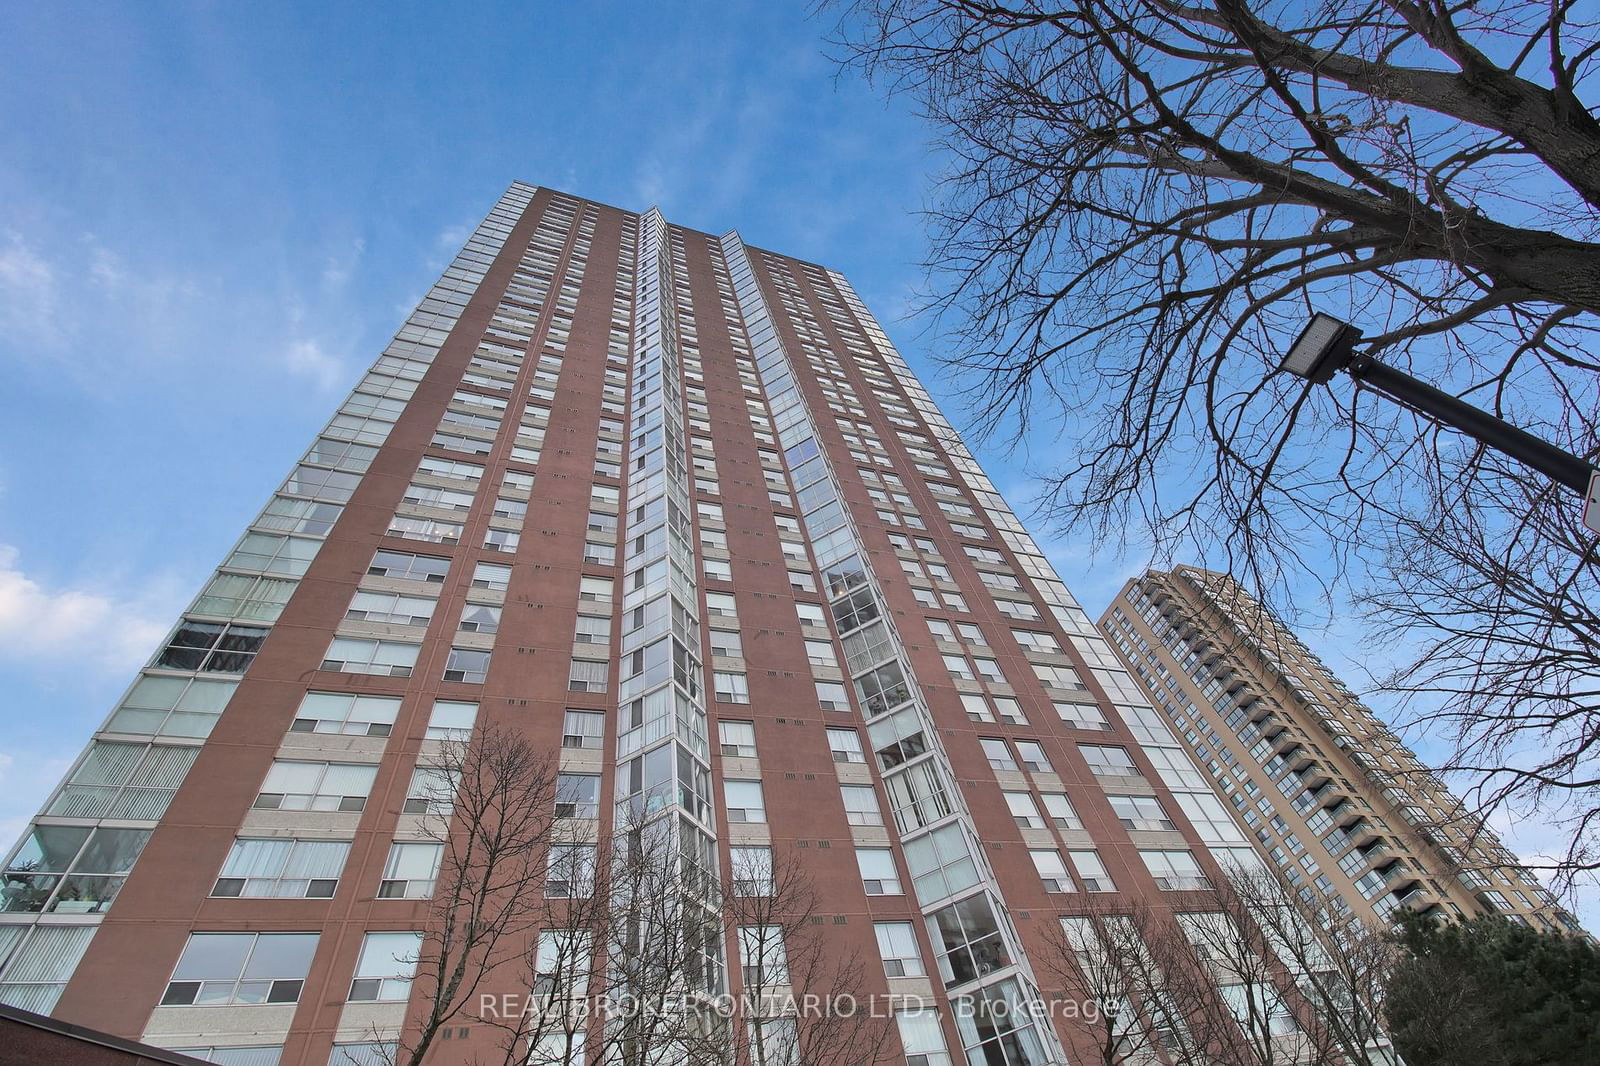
(1145, 199)
(626, 965)
(1100, 961)
(488, 802)
(1332, 966)
(805, 996)
(1248, 969)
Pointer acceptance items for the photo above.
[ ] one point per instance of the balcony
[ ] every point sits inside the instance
(1417, 899)
(1376, 853)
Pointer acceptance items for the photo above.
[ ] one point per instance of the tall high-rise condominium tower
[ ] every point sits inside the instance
(672, 510)
(1332, 796)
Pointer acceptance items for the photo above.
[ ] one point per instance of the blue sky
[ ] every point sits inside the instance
(212, 217)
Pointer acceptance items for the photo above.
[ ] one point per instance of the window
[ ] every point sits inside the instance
(451, 720)
(1108, 762)
(172, 706)
(257, 599)
(878, 875)
(1052, 871)
(779, 1043)
(279, 867)
(845, 744)
(1062, 677)
(384, 969)
(490, 576)
(1174, 870)
(967, 940)
(762, 960)
(363, 1053)
(1032, 756)
(69, 869)
(989, 670)
(730, 688)
(998, 754)
(513, 509)
(570, 871)
(240, 1055)
(594, 589)
(752, 871)
(921, 1037)
(996, 1026)
(577, 796)
(1010, 710)
(1059, 808)
(592, 629)
(721, 605)
(976, 706)
(468, 665)
(587, 675)
(958, 668)
(726, 642)
(717, 569)
(744, 801)
(897, 945)
(385, 658)
(1024, 810)
(478, 618)
(599, 554)
(433, 530)
(1140, 812)
(738, 739)
(240, 968)
(411, 870)
(432, 791)
(820, 653)
(1175, 768)
(940, 863)
(347, 713)
(1033, 641)
(300, 516)
(583, 729)
(273, 553)
(831, 696)
(391, 608)
(212, 648)
(1082, 715)
(408, 567)
(315, 786)
(861, 805)
(1091, 871)
(501, 540)
(1251, 1001)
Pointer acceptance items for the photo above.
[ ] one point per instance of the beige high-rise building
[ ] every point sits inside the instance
(1329, 794)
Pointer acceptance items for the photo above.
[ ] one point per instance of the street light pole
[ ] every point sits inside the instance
(1327, 345)
(1559, 466)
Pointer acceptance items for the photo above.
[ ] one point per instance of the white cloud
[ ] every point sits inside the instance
(452, 237)
(29, 293)
(80, 627)
(339, 268)
(308, 360)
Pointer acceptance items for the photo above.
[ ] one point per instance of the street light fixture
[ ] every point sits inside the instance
(1327, 345)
